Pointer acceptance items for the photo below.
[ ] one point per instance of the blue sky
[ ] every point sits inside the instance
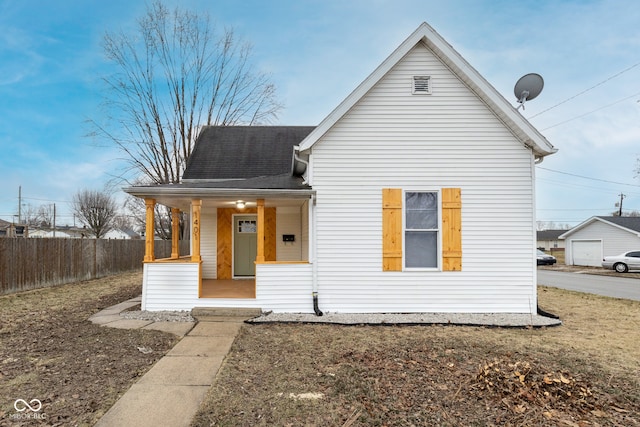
(317, 52)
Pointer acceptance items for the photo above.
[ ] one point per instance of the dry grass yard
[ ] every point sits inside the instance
(583, 373)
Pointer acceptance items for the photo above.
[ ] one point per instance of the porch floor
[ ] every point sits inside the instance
(240, 288)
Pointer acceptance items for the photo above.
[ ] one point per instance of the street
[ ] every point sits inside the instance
(616, 287)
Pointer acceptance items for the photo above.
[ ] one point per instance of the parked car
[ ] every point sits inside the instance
(623, 262)
(544, 259)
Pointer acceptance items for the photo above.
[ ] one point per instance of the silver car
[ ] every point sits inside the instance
(623, 262)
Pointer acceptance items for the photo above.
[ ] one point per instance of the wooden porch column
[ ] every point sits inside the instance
(149, 234)
(196, 207)
(260, 253)
(175, 233)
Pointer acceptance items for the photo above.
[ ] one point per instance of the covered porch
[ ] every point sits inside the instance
(210, 274)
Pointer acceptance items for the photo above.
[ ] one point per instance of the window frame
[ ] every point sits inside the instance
(437, 230)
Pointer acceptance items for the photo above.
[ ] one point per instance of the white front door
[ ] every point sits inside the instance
(245, 247)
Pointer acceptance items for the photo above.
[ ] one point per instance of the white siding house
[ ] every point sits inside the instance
(600, 236)
(416, 194)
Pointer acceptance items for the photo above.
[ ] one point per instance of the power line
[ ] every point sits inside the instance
(47, 200)
(586, 90)
(592, 111)
(588, 177)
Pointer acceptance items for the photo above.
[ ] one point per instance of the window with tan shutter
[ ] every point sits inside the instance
(391, 229)
(417, 242)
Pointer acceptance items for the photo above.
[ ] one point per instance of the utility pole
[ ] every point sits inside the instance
(20, 204)
(622, 196)
(54, 220)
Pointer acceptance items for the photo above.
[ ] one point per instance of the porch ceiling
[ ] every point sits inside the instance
(226, 200)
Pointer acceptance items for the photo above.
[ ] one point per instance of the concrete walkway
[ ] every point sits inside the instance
(171, 392)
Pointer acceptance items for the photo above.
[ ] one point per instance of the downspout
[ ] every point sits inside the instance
(305, 163)
(537, 160)
(314, 264)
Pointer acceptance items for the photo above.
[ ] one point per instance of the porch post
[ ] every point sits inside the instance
(149, 250)
(196, 207)
(175, 233)
(260, 252)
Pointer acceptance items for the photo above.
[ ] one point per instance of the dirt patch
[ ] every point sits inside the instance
(50, 352)
(583, 373)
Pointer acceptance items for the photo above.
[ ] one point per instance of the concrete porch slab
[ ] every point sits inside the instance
(197, 312)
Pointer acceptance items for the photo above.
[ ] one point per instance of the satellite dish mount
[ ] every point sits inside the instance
(527, 88)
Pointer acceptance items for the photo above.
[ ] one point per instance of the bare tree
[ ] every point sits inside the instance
(96, 210)
(42, 216)
(136, 212)
(175, 73)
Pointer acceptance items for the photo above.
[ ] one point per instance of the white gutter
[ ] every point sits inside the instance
(223, 192)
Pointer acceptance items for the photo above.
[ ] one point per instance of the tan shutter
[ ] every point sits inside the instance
(451, 230)
(391, 229)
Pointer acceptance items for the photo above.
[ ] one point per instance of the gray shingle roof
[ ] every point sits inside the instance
(241, 152)
(549, 234)
(630, 222)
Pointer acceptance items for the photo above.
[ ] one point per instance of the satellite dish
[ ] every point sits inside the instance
(527, 88)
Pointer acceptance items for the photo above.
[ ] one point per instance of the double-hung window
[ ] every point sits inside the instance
(421, 229)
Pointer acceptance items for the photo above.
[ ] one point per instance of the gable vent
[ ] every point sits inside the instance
(421, 85)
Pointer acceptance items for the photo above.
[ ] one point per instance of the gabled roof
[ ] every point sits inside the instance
(512, 119)
(241, 152)
(549, 234)
(626, 223)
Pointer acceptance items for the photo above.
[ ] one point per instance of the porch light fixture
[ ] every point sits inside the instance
(240, 204)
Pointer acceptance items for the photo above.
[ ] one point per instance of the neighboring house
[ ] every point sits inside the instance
(600, 236)
(9, 229)
(121, 233)
(47, 234)
(548, 240)
(416, 194)
(4, 228)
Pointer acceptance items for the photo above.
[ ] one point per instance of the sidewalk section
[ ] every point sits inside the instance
(111, 317)
(171, 392)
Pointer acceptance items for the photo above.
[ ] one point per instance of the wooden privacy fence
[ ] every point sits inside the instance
(27, 264)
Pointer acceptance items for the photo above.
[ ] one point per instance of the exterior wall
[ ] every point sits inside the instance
(304, 231)
(169, 286)
(279, 288)
(208, 244)
(393, 139)
(283, 288)
(614, 240)
(288, 222)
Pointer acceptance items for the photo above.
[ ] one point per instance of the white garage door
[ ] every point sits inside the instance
(586, 252)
